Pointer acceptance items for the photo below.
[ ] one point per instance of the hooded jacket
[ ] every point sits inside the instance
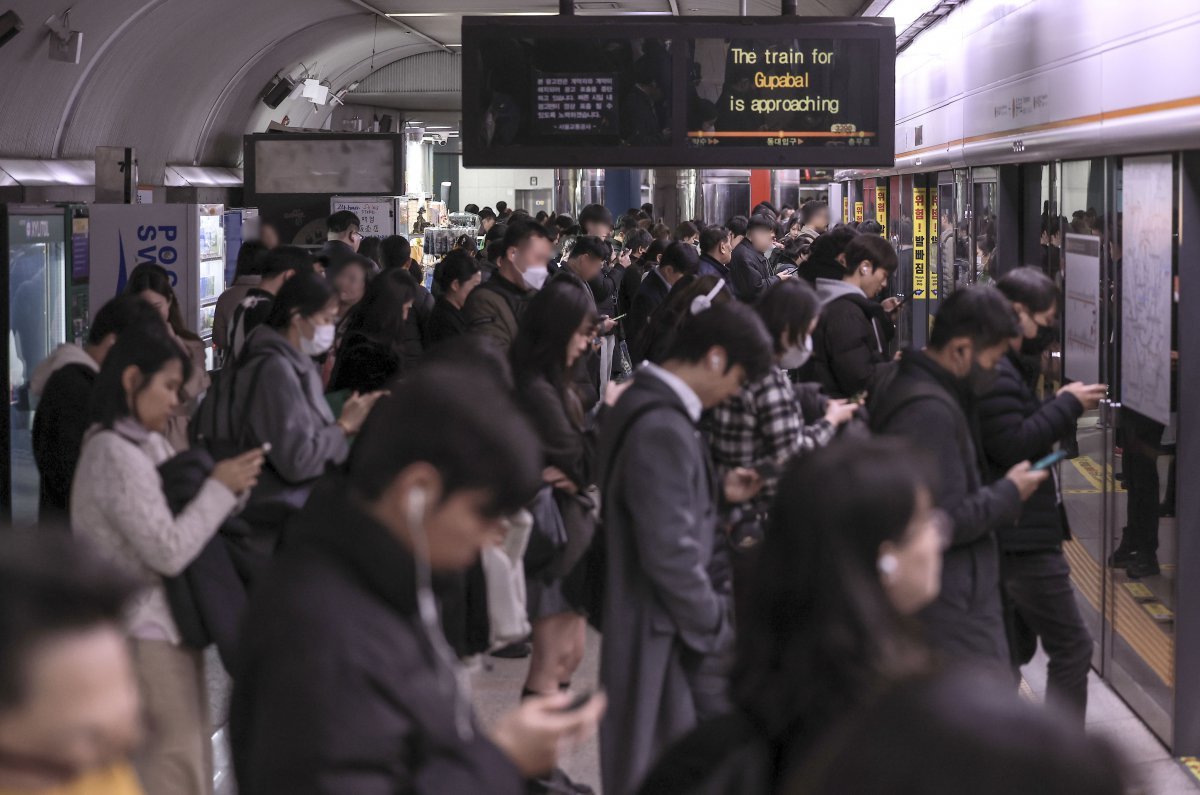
(342, 688)
(848, 343)
(277, 397)
(64, 382)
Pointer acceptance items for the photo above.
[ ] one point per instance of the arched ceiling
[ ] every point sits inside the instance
(180, 80)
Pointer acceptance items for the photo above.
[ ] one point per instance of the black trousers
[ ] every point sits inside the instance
(1040, 603)
(1141, 438)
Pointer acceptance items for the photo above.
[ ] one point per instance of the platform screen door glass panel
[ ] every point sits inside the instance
(37, 300)
(1141, 610)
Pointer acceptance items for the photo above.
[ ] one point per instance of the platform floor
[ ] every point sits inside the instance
(498, 687)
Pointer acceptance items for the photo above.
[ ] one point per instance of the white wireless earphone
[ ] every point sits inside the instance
(716, 361)
(702, 303)
(888, 565)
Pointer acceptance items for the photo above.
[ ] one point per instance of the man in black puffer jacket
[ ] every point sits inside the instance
(1016, 426)
(851, 338)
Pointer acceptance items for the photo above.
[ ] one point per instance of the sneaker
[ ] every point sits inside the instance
(1143, 565)
(1121, 557)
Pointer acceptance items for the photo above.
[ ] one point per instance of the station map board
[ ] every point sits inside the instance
(624, 91)
(1146, 286)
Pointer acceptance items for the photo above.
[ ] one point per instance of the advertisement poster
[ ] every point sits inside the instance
(1146, 287)
(920, 265)
(1081, 311)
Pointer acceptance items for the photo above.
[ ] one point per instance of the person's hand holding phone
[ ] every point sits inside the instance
(839, 412)
(534, 734)
(1026, 478)
(241, 472)
(742, 484)
(892, 304)
(355, 411)
(1089, 395)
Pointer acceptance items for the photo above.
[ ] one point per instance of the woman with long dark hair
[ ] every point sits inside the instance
(853, 548)
(118, 504)
(372, 351)
(152, 283)
(556, 330)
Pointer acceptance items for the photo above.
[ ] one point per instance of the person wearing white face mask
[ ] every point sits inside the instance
(275, 397)
(762, 426)
(496, 306)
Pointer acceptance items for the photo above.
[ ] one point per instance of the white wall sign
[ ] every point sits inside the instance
(377, 215)
(1146, 286)
(1081, 313)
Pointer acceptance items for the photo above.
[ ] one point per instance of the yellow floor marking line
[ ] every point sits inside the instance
(1140, 630)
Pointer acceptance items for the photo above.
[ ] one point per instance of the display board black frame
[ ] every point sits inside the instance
(678, 153)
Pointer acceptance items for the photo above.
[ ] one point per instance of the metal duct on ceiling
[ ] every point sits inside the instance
(429, 72)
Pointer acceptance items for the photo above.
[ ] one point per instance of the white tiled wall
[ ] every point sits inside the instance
(486, 186)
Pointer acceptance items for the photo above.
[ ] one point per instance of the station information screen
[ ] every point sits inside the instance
(635, 91)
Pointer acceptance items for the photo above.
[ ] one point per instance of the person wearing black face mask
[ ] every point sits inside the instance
(929, 398)
(1017, 426)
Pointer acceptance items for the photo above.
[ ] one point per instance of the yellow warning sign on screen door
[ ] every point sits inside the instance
(919, 272)
(881, 209)
(858, 212)
(935, 262)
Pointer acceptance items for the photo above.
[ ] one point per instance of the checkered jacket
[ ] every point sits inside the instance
(763, 423)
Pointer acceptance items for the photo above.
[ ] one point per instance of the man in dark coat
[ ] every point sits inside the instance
(342, 239)
(494, 308)
(716, 252)
(1017, 426)
(581, 268)
(679, 260)
(63, 383)
(748, 264)
(667, 607)
(346, 684)
(929, 399)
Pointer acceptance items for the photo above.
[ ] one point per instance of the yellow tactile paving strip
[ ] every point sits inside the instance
(1151, 642)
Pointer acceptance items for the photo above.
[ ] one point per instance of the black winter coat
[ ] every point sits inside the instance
(750, 271)
(365, 364)
(59, 424)
(340, 689)
(926, 405)
(1017, 427)
(848, 346)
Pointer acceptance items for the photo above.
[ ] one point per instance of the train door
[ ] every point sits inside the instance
(1116, 233)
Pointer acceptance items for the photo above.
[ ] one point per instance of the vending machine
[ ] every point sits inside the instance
(45, 263)
(188, 240)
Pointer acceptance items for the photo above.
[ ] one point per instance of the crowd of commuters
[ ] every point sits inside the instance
(793, 540)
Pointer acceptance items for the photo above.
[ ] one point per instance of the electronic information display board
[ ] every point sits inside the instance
(711, 91)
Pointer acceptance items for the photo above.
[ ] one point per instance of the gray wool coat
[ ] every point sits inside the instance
(668, 631)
